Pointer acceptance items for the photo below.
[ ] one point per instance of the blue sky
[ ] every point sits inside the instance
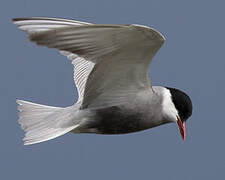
(192, 59)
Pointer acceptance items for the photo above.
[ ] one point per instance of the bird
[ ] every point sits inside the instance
(115, 94)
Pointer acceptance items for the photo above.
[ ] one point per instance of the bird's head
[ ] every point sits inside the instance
(177, 107)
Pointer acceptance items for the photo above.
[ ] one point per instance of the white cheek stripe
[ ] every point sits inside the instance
(168, 106)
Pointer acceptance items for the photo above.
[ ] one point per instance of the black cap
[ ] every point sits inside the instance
(182, 103)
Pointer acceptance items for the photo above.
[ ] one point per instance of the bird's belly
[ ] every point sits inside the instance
(116, 120)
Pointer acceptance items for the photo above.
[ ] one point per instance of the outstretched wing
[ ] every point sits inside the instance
(82, 67)
(121, 53)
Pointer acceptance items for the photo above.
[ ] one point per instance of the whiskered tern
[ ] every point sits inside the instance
(111, 64)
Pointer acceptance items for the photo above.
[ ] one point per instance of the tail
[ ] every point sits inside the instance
(42, 123)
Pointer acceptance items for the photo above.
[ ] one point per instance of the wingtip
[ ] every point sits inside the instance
(14, 20)
(23, 19)
(19, 102)
(17, 19)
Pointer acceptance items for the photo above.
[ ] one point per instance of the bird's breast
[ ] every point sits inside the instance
(120, 120)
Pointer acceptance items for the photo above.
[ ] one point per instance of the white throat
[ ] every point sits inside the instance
(169, 110)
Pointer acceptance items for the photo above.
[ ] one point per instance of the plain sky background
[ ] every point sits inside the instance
(192, 59)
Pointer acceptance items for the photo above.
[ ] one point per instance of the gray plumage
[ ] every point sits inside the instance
(111, 65)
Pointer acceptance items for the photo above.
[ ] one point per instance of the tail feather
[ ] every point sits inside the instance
(42, 123)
